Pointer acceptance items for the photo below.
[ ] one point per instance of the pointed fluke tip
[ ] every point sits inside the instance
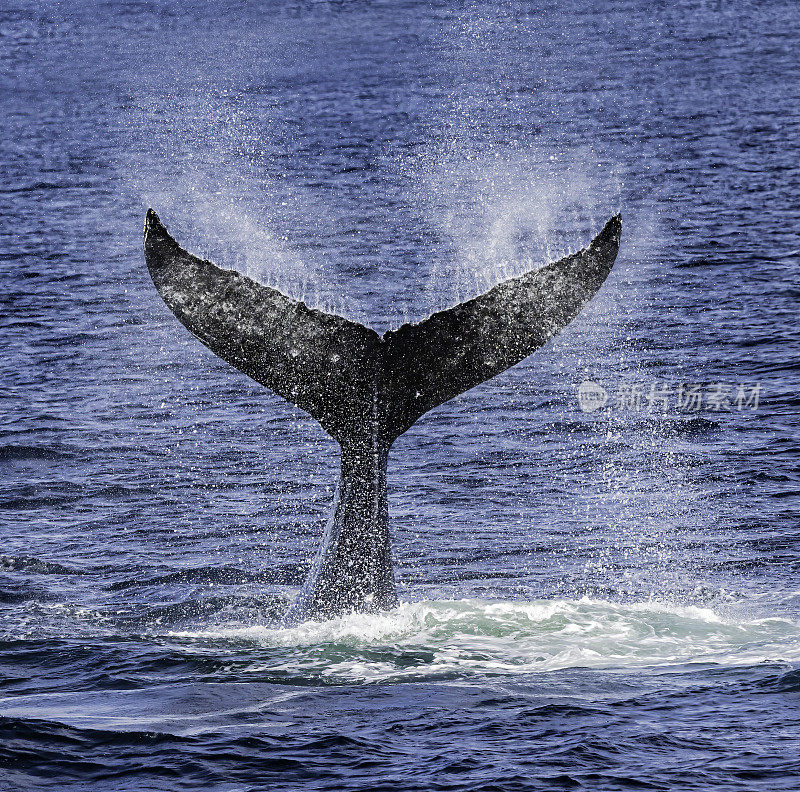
(613, 227)
(609, 237)
(157, 241)
(152, 224)
(160, 248)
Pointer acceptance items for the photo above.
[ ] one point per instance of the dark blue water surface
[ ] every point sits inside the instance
(596, 600)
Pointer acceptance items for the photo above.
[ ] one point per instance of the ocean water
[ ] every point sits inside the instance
(603, 600)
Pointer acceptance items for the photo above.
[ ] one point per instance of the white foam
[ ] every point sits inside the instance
(465, 637)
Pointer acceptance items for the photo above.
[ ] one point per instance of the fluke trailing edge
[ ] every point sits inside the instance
(366, 389)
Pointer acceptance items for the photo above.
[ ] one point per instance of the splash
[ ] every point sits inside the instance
(455, 638)
(504, 213)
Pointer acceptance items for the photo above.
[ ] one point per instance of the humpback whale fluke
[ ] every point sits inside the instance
(365, 389)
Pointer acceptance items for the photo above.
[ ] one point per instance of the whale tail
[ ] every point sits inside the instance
(344, 374)
(366, 389)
